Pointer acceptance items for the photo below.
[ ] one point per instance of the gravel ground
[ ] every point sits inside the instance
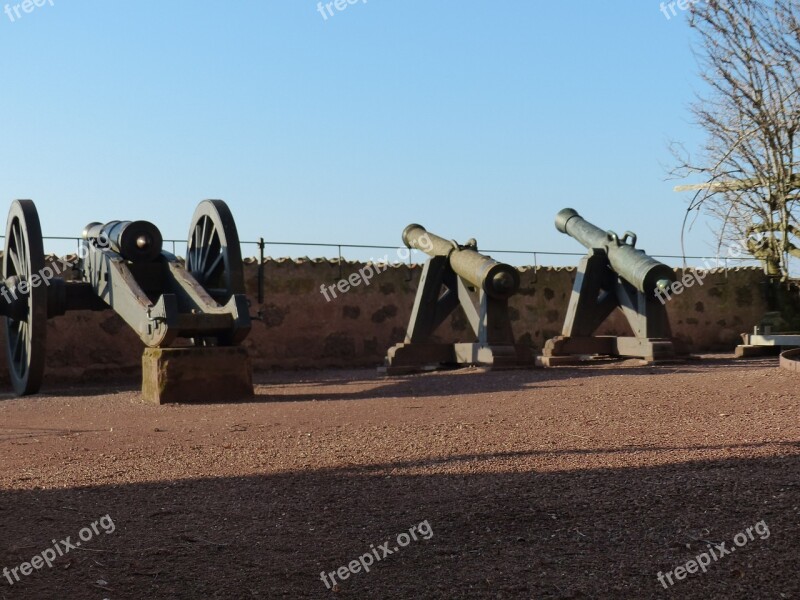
(563, 483)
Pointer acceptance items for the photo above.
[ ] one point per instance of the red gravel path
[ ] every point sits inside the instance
(567, 483)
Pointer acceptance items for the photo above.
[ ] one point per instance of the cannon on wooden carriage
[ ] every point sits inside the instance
(613, 275)
(458, 276)
(123, 267)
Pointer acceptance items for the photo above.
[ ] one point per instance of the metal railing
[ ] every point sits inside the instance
(262, 244)
(535, 255)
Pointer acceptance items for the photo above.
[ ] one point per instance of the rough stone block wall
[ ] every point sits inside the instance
(301, 329)
(713, 316)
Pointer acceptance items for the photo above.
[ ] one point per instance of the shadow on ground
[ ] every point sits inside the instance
(419, 385)
(600, 533)
(441, 383)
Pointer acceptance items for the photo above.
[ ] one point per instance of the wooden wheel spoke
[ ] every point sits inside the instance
(22, 255)
(13, 248)
(197, 244)
(202, 244)
(210, 270)
(13, 267)
(208, 244)
(16, 263)
(15, 343)
(198, 250)
(21, 346)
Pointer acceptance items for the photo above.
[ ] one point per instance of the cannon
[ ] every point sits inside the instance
(458, 276)
(613, 275)
(123, 267)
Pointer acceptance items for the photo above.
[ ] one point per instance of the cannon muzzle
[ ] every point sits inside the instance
(137, 241)
(498, 280)
(637, 268)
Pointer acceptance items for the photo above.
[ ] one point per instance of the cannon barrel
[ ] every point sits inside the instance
(497, 279)
(643, 272)
(138, 241)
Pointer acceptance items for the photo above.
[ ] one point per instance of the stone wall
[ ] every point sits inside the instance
(301, 329)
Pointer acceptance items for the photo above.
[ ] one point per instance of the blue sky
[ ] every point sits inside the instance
(475, 119)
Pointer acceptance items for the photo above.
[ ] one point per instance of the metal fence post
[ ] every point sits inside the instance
(261, 245)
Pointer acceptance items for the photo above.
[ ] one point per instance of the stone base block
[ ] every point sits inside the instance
(416, 357)
(650, 350)
(563, 361)
(221, 374)
(751, 351)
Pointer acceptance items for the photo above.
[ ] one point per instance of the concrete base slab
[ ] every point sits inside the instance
(575, 360)
(561, 350)
(408, 358)
(205, 375)
(562, 361)
(750, 351)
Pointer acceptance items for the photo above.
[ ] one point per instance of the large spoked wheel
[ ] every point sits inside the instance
(213, 255)
(25, 336)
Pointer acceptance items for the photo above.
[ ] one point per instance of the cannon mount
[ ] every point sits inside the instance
(123, 267)
(613, 275)
(451, 279)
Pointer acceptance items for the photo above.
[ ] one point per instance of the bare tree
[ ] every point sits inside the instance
(749, 55)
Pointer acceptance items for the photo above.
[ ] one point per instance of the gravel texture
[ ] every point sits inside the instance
(563, 483)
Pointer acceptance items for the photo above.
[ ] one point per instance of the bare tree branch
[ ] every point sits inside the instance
(749, 55)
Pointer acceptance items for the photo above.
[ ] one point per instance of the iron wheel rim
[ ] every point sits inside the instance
(23, 258)
(213, 255)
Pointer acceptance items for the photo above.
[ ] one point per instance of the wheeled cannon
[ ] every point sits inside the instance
(613, 275)
(458, 276)
(123, 267)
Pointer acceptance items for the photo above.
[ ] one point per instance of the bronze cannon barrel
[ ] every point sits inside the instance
(637, 268)
(133, 240)
(498, 280)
